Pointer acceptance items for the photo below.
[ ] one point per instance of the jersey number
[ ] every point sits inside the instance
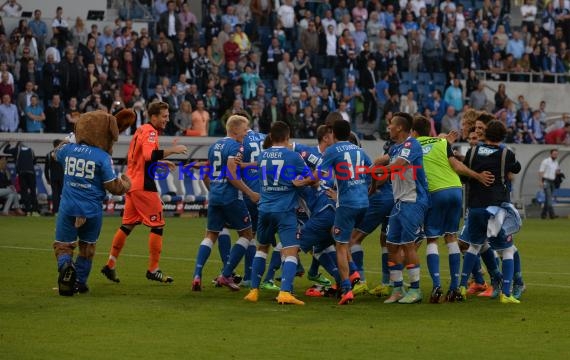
(348, 159)
(217, 163)
(79, 167)
(279, 164)
(255, 151)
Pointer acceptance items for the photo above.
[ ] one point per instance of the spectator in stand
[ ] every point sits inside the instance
(39, 30)
(9, 119)
(35, 116)
(212, 23)
(454, 95)
(169, 22)
(516, 46)
(270, 115)
(432, 52)
(552, 64)
(438, 108)
(55, 116)
(11, 8)
(262, 11)
(559, 136)
(60, 29)
(71, 75)
(450, 121)
(408, 104)
(535, 128)
(478, 98)
(500, 97)
(528, 12)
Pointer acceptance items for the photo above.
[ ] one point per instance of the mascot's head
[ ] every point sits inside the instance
(101, 129)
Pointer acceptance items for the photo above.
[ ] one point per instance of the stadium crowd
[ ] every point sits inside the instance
(290, 60)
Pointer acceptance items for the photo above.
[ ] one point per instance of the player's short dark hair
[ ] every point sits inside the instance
(341, 130)
(323, 130)
(156, 107)
(496, 131)
(56, 142)
(421, 125)
(279, 131)
(332, 117)
(485, 117)
(403, 119)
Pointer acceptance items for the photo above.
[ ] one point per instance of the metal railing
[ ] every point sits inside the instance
(529, 77)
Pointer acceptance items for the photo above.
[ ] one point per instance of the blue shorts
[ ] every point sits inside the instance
(253, 212)
(377, 213)
(344, 222)
(316, 233)
(406, 223)
(65, 230)
(282, 223)
(233, 215)
(501, 241)
(444, 213)
(475, 228)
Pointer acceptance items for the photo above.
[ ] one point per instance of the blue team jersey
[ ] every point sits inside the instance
(411, 185)
(221, 191)
(278, 168)
(316, 200)
(347, 163)
(87, 169)
(252, 146)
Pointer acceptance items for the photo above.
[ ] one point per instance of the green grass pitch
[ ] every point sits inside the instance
(139, 319)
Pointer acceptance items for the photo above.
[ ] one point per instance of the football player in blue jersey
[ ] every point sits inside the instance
(252, 146)
(88, 172)
(225, 202)
(410, 190)
(348, 165)
(279, 168)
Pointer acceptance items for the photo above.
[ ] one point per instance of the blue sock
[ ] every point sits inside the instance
(314, 269)
(454, 264)
(433, 263)
(63, 259)
(352, 267)
(358, 259)
(83, 267)
(508, 271)
(490, 261)
(468, 261)
(247, 265)
(329, 264)
(274, 265)
(203, 254)
(236, 254)
(288, 273)
(385, 269)
(257, 268)
(396, 276)
(478, 271)
(345, 286)
(224, 245)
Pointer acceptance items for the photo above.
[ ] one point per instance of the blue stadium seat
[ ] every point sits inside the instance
(193, 188)
(167, 189)
(43, 190)
(424, 77)
(408, 77)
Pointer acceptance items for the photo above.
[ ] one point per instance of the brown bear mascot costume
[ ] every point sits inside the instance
(89, 175)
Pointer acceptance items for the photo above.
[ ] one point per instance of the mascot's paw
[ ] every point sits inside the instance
(125, 119)
(79, 221)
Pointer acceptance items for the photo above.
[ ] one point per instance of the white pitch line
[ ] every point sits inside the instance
(218, 261)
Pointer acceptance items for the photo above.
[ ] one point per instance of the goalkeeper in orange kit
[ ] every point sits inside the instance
(143, 204)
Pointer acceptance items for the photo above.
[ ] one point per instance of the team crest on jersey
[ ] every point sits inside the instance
(312, 159)
(303, 154)
(408, 144)
(246, 219)
(337, 230)
(405, 152)
(153, 218)
(152, 136)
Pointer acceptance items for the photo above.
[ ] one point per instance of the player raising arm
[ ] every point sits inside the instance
(143, 204)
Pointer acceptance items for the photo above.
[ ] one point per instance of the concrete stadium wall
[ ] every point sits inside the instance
(525, 185)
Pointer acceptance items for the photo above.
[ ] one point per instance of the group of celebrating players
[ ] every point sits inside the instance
(263, 186)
